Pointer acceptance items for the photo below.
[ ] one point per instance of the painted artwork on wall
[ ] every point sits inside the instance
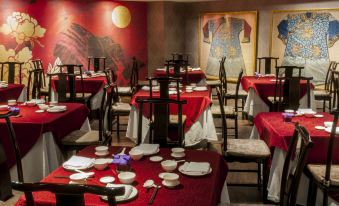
(67, 32)
(306, 38)
(229, 34)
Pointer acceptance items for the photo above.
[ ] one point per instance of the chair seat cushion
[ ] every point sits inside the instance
(241, 93)
(175, 120)
(124, 90)
(319, 87)
(321, 93)
(79, 95)
(120, 106)
(81, 137)
(247, 148)
(229, 110)
(318, 172)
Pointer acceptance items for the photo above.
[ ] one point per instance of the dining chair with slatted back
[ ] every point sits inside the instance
(58, 81)
(79, 139)
(43, 91)
(99, 63)
(34, 84)
(245, 151)
(68, 194)
(266, 64)
(294, 164)
(130, 89)
(334, 90)
(13, 69)
(325, 176)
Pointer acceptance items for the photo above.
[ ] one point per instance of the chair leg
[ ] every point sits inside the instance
(118, 127)
(265, 179)
(325, 197)
(236, 128)
(312, 193)
(259, 175)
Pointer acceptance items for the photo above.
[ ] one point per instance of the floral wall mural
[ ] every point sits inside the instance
(69, 31)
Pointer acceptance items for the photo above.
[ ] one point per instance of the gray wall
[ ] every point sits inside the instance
(181, 20)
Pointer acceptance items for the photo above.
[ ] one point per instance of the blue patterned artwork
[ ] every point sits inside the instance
(307, 37)
(225, 36)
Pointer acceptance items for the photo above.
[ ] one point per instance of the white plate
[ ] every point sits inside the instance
(328, 129)
(40, 111)
(200, 89)
(101, 154)
(3, 107)
(161, 175)
(107, 179)
(178, 155)
(318, 115)
(131, 196)
(70, 168)
(170, 186)
(193, 173)
(319, 127)
(55, 110)
(156, 158)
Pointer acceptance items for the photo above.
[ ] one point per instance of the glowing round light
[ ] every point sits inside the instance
(121, 16)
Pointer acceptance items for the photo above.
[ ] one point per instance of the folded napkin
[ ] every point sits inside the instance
(79, 162)
(128, 191)
(172, 92)
(196, 69)
(202, 167)
(148, 148)
(305, 111)
(58, 108)
(200, 88)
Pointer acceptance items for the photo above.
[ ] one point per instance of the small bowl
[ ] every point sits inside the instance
(11, 102)
(43, 106)
(3, 108)
(169, 165)
(171, 180)
(31, 103)
(100, 164)
(178, 150)
(328, 124)
(178, 155)
(53, 103)
(136, 154)
(126, 177)
(78, 178)
(101, 149)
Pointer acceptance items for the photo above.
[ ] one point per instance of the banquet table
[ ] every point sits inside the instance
(270, 127)
(38, 135)
(193, 76)
(199, 121)
(259, 89)
(206, 190)
(13, 91)
(93, 85)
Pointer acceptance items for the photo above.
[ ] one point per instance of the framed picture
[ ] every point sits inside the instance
(306, 38)
(229, 34)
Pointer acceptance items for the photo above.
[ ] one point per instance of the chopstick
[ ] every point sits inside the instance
(153, 195)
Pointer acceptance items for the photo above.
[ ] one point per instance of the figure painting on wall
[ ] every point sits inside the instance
(226, 34)
(307, 37)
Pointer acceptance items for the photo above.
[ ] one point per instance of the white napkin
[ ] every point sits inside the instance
(128, 191)
(58, 108)
(78, 162)
(148, 148)
(196, 69)
(305, 111)
(202, 167)
(200, 88)
(172, 92)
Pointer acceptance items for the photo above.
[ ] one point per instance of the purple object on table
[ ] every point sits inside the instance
(287, 117)
(121, 159)
(15, 110)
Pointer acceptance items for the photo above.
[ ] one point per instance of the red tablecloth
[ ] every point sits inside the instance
(13, 91)
(197, 102)
(277, 133)
(204, 190)
(31, 125)
(264, 86)
(91, 85)
(193, 76)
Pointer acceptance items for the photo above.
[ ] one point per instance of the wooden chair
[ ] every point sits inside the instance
(99, 63)
(267, 64)
(323, 92)
(132, 88)
(334, 90)
(67, 194)
(245, 151)
(12, 69)
(79, 139)
(231, 112)
(35, 84)
(325, 176)
(37, 65)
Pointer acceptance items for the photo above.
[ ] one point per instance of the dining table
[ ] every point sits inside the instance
(194, 75)
(259, 89)
(199, 121)
(38, 135)
(277, 133)
(207, 189)
(13, 91)
(91, 84)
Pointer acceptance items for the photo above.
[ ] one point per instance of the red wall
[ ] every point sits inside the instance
(79, 28)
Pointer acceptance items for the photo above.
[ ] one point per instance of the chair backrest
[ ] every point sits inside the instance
(266, 62)
(288, 71)
(12, 69)
(294, 164)
(68, 194)
(328, 78)
(334, 89)
(74, 72)
(37, 64)
(64, 83)
(105, 126)
(35, 80)
(99, 63)
(333, 136)
(159, 122)
(134, 75)
(223, 75)
(223, 117)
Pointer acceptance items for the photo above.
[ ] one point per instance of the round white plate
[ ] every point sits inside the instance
(107, 179)
(148, 154)
(329, 129)
(319, 127)
(156, 158)
(40, 111)
(318, 115)
(119, 199)
(55, 110)
(161, 175)
(77, 168)
(170, 186)
(101, 154)
(193, 173)
(189, 91)
(178, 155)
(200, 89)
(3, 107)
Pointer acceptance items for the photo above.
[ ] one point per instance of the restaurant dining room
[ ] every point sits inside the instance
(180, 102)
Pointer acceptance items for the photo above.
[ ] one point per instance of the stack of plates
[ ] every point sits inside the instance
(195, 168)
(56, 109)
(3, 84)
(202, 88)
(77, 162)
(148, 149)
